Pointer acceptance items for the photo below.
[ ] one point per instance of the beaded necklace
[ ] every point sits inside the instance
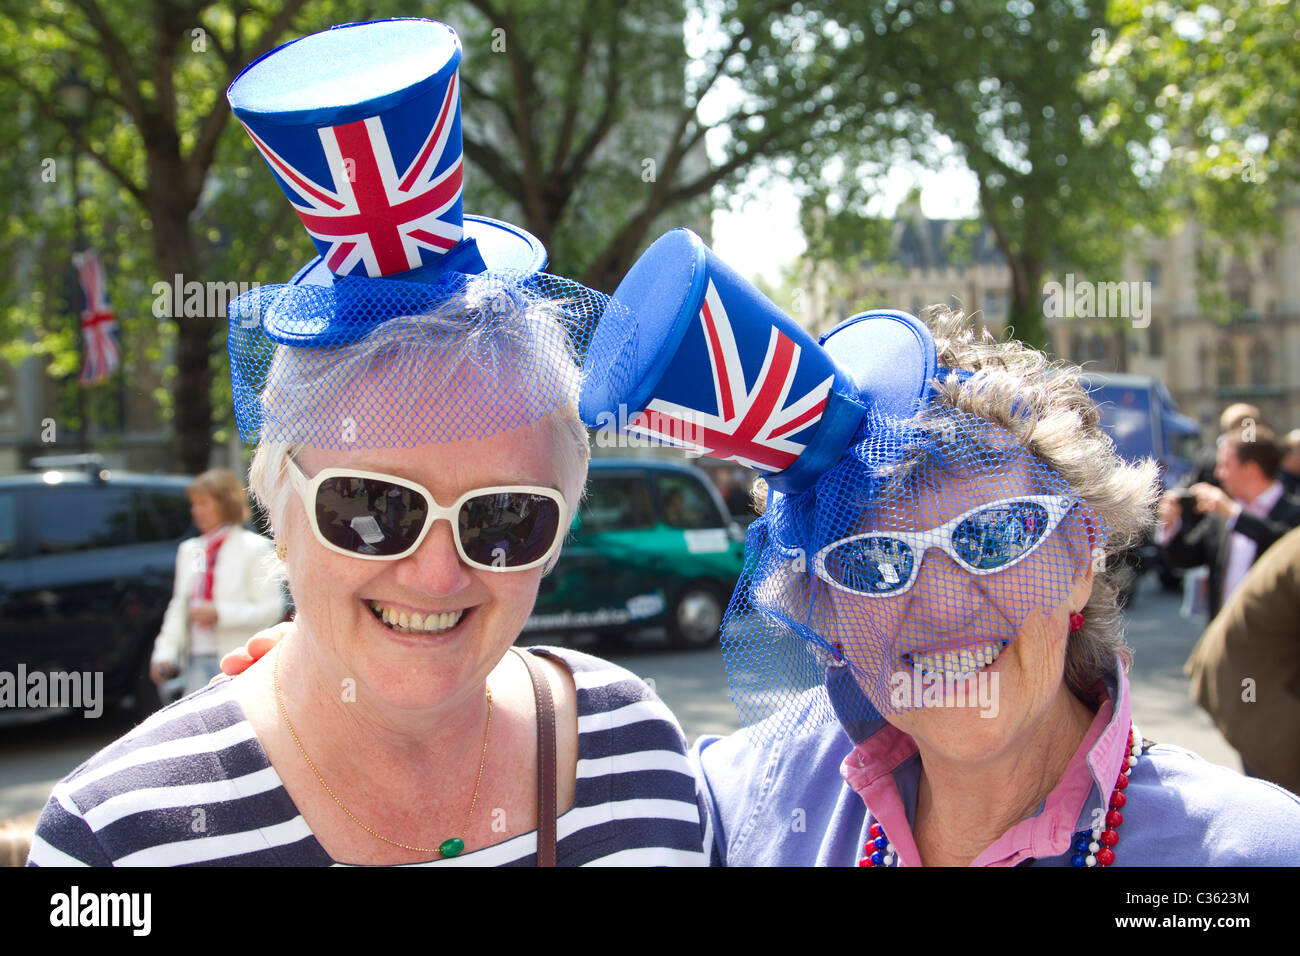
(1095, 847)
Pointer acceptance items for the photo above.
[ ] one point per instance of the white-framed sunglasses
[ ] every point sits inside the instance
(984, 540)
(378, 517)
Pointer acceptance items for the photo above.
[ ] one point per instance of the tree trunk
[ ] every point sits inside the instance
(1026, 312)
(617, 257)
(192, 389)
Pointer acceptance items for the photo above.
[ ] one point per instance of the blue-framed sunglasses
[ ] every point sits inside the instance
(984, 540)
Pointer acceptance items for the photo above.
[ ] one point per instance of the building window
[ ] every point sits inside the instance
(1101, 351)
(1153, 274)
(1227, 367)
(995, 305)
(1155, 340)
(1239, 282)
(1261, 364)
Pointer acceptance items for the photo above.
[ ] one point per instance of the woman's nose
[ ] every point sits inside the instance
(435, 566)
(944, 594)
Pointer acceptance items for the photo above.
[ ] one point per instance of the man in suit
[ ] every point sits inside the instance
(1229, 527)
(1233, 418)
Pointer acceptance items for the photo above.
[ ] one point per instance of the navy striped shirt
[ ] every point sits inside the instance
(193, 786)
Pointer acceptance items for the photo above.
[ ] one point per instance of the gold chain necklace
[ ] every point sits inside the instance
(448, 848)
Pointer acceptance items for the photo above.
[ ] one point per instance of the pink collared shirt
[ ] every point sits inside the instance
(869, 768)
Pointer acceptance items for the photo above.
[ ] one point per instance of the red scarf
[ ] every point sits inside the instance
(211, 544)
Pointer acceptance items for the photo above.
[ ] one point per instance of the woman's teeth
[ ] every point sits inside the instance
(957, 663)
(414, 622)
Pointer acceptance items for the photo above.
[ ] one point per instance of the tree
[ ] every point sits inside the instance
(1012, 86)
(158, 77)
(596, 130)
(1219, 78)
(586, 124)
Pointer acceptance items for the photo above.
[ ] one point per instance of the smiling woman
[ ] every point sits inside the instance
(932, 630)
(419, 455)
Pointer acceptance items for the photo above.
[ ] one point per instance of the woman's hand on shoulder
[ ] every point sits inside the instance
(238, 661)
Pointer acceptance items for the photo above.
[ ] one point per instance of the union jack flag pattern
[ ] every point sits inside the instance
(384, 204)
(98, 322)
(757, 421)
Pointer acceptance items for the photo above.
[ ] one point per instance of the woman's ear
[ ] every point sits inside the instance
(1087, 537)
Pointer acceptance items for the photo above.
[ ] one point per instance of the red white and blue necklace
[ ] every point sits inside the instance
(1095, 847)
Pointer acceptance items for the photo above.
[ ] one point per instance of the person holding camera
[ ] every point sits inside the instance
(1227, 528)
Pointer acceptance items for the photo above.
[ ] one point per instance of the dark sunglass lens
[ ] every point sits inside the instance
(996, 536)
(871, 565)
(369, 516)
(508, 529)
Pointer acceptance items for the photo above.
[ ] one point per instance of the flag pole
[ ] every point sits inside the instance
(77, 242)
(73, 94)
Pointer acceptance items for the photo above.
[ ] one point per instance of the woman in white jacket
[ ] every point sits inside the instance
(223, 590)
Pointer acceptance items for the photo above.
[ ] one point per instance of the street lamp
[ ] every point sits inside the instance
(73, 94)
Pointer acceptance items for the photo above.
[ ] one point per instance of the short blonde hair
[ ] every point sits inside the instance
(459, 341)
(225, 488)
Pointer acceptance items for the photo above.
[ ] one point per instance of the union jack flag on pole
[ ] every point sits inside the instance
(100, 350)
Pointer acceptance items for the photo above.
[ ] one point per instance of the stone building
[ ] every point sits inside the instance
(1215, 325)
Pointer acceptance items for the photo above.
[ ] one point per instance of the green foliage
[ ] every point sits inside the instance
(1219, 80)
(149, 146)
(585, 123)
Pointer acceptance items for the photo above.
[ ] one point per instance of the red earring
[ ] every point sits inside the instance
(1076, 622)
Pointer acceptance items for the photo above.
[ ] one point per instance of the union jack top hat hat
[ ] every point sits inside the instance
(700, 359)
(361, 126)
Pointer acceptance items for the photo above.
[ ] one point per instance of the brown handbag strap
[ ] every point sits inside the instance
(546, 791)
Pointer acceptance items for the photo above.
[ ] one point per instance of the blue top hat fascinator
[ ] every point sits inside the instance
(360, 126)
(695, 356)
(878, 488)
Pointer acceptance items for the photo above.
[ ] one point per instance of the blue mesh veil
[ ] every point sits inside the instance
(394, 363)
(902, 575)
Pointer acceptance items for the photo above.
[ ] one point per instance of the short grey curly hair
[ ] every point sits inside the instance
(1044, 405)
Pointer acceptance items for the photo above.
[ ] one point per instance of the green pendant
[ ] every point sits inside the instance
(451, 847)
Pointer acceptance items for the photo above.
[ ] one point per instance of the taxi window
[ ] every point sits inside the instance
(162, 515)
(617, 503)
(685, 504)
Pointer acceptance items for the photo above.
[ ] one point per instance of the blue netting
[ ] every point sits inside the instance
(391, 363)
(855, 577)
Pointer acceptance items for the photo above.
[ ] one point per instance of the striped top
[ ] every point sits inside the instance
(193, 786)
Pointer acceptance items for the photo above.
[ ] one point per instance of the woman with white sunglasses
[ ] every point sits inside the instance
(954, 577)
(412, 392)
(925, 644)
